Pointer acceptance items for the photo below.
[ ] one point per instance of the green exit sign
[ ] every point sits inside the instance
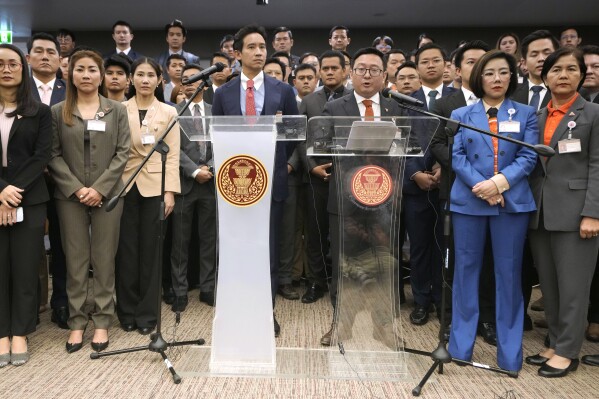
(6, 36)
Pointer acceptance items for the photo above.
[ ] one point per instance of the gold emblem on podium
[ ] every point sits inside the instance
(242, 180)
(371, 185)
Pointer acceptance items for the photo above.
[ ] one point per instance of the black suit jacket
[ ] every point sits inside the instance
(348, 106)
(521, 95)
(59, 91)
(422, 133)
(28, 152)
(208, 95)
(132, 54)
(438, 147)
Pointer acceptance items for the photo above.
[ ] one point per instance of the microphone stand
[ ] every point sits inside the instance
(157, 343)
(441, 355)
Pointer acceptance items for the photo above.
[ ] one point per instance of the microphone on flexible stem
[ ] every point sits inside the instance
(402, 98)
(219, 66)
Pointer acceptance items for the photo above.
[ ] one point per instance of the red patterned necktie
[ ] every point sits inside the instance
(250, 104)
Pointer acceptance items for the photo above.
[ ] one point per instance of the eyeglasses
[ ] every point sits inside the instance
(374, 72)
(503, 74)
(12, 66)
(566, 37)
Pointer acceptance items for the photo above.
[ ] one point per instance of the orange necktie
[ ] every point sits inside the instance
(492, 112)
(369, 114)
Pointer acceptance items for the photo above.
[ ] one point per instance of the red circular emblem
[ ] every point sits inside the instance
(371, 185)
(242, 180)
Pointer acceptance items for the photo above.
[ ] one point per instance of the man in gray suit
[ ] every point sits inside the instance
(197, 195)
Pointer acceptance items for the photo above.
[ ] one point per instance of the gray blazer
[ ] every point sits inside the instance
(109, 151)
(566, 186)
(190, 156)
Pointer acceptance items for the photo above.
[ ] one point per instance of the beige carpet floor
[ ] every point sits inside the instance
(52, 373)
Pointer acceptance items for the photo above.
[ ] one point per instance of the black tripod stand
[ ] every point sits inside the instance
(157, 343)
(440, 355)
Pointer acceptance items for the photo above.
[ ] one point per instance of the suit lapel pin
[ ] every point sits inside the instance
(19, 116)
(572, 114)
(58, 86)
(386, 109)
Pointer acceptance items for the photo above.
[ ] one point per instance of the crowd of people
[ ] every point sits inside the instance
(76, 124)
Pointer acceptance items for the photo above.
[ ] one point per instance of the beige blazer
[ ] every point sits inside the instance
(148, 181)
(108, 151)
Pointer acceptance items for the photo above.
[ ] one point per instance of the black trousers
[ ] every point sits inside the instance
(19, 264)
(137, 263)
(317, 219)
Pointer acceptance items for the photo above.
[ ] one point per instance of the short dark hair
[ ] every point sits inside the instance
(282, 29)
(338, 27)
(26, 104)
(345, 54)
(174, 57)
(395, 51)
(221, 55)
(421, 36)
(333, 54)
(564, 52)
(303, 67)
(308, 54)
(42, 36)
(407, 64)
(430, 46)
(590, 49)
(538, 35)
(226, 38)
(476, 77)
(175, 24)
(473, 45)
(118, 60)
(368, 50)
(283, 54)
(66, 32)
(191, 66)
(273, 60)
(247, 30)
(122, 23)
(384, 38)
(565, 28)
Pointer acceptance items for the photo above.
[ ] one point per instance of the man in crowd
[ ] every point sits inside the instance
(407, 78)
(197, 198)
(305, 80)
(116, 77)
(122, 34)
(43, 58)
(394, 58)
(339, 38)
(174, 68)
(176, 35)
(274, 68)
(570, 38)
(218, 78)
(66, 38)
(591, 81)
(282, 41)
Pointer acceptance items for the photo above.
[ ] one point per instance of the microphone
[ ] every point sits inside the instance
(219, 66)
(402, 98)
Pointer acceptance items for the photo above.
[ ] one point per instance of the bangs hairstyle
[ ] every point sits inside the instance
(70, 101)
(247, 30)
(158, 92)
(552, 59)
(26, 104)
(476, 77)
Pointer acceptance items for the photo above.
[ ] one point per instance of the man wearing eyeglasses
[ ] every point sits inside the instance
(421, 191)
(570, 38)
(368, 78)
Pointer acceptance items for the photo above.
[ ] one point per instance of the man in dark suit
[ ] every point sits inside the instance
(282, 40)
(176, 35)
(368, 79)
(420, 190)
(122, 34)
(219, 78)
(316, 175)
(271, 97)
(536, 47)
(465, 58)
(43, 58)
(197, 195)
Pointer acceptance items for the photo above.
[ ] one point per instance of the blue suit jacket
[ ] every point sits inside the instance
(473, 159)
(278, 96)
(421, 134)
(59, 91)
(132, 54)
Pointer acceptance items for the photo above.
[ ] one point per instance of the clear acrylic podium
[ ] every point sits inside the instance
(365, 197)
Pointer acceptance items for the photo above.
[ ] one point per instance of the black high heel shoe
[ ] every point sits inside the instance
(100, 346)
(74, 347)
(552, 372)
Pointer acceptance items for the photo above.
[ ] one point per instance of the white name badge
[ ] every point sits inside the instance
(148, 139)
(509, 127)
(96, 126)
(569, 146)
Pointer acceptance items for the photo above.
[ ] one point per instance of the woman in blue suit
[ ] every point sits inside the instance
(491, 199)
